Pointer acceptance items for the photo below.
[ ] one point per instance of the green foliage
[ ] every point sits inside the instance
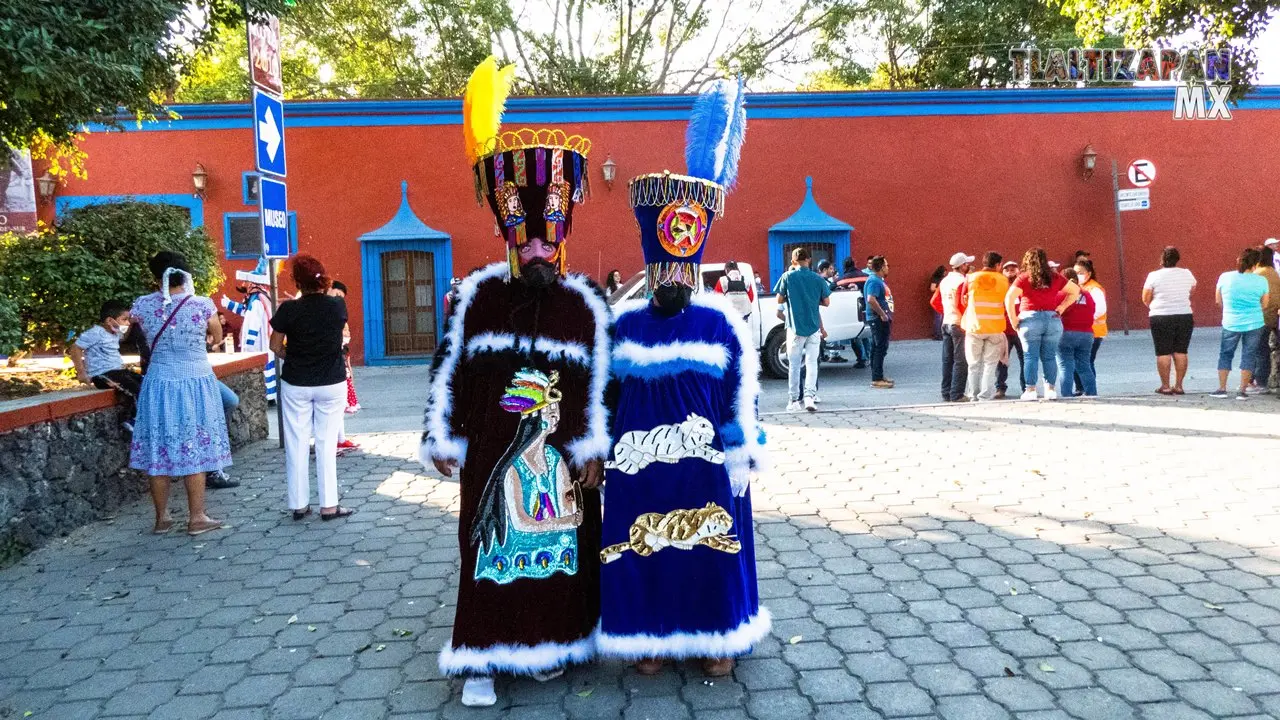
(67, 63)
(10, 327)
(59, 279)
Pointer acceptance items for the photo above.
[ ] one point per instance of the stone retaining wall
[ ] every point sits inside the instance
(67, 464)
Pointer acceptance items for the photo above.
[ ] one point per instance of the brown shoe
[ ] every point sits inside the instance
(649, 667)
(1000, 395)
(717, 667)
(882, 384)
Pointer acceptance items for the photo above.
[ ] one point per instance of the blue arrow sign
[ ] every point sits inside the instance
(268, 133)
(275, 218)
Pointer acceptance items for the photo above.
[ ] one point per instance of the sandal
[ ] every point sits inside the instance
(201, 528)
(1165, 391)
(341, 512)
(299, 514)
(162, 528)
(717, 667)
(1179, 391)
(649, 667)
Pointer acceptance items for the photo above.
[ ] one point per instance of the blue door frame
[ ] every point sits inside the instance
(375, 331)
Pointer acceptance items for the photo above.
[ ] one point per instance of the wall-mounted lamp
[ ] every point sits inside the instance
(199, 180)
(1088, 160)
(609, 170)
(46, 186)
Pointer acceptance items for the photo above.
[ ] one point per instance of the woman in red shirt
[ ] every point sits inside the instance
(1076, 344)
(1035, 304)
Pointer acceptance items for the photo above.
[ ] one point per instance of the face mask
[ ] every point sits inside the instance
(734, 275)
(671, 299)
(122, 329)
(538, 273)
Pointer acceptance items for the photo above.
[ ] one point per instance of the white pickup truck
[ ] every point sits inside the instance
(842, 318)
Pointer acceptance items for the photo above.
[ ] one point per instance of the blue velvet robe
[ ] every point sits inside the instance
(686, 438)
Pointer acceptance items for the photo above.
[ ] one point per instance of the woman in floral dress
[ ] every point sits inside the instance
(180, 431)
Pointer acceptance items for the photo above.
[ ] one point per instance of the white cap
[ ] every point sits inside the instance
(1271, 242)
(1007, 263)
(1054, 264)
(959, 259)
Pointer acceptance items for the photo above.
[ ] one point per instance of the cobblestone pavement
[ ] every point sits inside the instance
(1096, 560)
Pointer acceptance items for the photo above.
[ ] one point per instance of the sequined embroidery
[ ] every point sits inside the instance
(518, 168)
(639, 449)
(682, 228)
(526, 522)
(680, 529)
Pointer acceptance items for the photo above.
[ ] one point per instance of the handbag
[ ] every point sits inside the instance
(168, 321)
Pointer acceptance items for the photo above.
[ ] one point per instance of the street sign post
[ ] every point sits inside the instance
(273, 210)
(1115, 195)
(268, 133)
(1135, 194)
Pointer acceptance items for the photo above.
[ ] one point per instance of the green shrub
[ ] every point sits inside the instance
(10, 327)
(59, 279)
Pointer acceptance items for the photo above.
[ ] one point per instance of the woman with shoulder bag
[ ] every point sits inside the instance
(180, 431)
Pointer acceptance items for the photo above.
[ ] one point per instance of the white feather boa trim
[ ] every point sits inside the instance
(751, 456)
(514, 659)
(439, 441)
(596, 444)
(681, 645)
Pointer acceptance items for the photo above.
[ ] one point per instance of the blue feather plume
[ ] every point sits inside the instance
(728, 176)
(707, 141)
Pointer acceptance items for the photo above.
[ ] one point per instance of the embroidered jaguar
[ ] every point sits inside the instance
(670, 444)
(680, 529)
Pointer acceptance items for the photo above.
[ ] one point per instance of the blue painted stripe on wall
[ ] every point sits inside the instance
(375, 113)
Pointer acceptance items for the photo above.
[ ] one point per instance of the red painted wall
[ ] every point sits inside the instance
(916, 188)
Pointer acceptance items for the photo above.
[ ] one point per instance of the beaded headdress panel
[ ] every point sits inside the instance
(531, 179)
(674, 211)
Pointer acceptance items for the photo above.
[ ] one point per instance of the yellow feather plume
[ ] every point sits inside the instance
(482, 105)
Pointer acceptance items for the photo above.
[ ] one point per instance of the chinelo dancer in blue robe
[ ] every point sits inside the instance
(678, 575)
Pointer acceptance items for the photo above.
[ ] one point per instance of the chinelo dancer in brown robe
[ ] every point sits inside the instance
(517, 409)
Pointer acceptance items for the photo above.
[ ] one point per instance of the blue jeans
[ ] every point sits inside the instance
(1040, 332)
(879, 347)
(229, 401)
(1073, 360)
(1249, 340)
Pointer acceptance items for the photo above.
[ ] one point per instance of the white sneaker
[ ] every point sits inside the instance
(1030, 394)
(794, 406)
(816, 399)
(549, 675)
(1050, 394)
(478, 692)
(810, 405)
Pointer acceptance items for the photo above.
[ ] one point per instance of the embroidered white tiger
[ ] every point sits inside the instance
(639, 449)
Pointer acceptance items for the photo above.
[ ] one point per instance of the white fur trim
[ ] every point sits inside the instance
(629, 306)
(744, 404)
(681, 645)
(596, 444)
(438, 439)
(702, 352)
(514, 659)
(553, 349)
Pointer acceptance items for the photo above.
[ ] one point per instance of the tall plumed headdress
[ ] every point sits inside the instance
(675, 212)
(532, 179)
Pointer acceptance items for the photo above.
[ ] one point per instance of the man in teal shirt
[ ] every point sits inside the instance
(803, 292)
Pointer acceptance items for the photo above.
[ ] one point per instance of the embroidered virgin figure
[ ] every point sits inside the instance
(527, 523)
